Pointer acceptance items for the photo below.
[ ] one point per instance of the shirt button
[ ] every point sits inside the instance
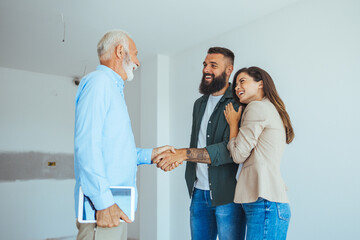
(209, 121)
(208, 135)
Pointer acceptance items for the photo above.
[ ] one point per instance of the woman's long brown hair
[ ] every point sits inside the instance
(271, 93)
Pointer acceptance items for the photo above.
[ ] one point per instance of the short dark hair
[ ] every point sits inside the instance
(224, 51)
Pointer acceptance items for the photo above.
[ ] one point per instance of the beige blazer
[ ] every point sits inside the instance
(260, 146)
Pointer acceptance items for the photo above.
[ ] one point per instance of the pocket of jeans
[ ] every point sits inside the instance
(284, 212)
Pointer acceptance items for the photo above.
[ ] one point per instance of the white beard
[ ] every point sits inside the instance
(129, 67)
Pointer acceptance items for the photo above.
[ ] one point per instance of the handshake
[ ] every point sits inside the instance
(167, 158)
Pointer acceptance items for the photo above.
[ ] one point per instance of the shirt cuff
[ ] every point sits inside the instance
(144, 156)
(103, 201)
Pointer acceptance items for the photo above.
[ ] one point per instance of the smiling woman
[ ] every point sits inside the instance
(259, 144)
(253, 84)
(247, 89)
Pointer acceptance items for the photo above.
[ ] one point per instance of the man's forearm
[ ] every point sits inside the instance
(168, 161)
(198, 155)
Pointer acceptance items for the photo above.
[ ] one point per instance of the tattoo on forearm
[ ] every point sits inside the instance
(200, 155)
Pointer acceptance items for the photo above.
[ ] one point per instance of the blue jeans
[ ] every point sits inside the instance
(227, 221)
(267, 220)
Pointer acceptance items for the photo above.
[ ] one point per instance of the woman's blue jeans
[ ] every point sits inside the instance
(227, 221)
(266, 220)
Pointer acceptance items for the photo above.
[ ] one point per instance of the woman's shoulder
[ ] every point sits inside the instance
(259, 109)
(260, 105)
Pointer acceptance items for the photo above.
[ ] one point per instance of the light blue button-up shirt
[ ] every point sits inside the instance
(105, 152)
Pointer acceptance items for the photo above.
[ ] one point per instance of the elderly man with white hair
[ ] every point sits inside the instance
(104, 147)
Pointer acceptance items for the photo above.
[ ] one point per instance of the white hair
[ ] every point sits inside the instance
(109, 41)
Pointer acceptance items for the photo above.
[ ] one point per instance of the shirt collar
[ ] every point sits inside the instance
(112, 74)
(228, 93)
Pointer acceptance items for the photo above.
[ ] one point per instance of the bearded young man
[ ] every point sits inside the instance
(210, 171)
(104, 146)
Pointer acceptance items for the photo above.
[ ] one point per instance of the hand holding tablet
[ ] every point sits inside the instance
(110, 217)
(125, 205)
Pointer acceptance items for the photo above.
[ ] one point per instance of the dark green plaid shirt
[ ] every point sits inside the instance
(222, 170)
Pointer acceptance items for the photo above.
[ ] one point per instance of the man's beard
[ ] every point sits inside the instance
(214, 86)
(129, 67)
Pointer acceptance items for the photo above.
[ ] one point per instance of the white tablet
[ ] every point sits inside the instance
(124, 197)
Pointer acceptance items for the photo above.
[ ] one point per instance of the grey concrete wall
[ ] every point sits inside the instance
(35, 165)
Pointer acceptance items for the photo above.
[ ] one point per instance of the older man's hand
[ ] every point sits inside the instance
(168, 161)
(110, 217)
(159, 150)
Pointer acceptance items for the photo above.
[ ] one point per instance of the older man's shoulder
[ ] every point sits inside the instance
(97, 78)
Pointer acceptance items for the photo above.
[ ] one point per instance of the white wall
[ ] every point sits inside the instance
(147, 189)
(37, 114)
(132, 97)
(312, 51)
(154, 190)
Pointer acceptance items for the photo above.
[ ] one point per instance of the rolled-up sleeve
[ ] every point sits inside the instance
(252, 125)
(219, 154)
(144, 155)
(91, 107)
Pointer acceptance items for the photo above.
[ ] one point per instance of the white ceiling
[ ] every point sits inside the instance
(31, 31)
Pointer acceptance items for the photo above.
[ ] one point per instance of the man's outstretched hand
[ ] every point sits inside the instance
(110, 217)
(159, 150)
(167, 161)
